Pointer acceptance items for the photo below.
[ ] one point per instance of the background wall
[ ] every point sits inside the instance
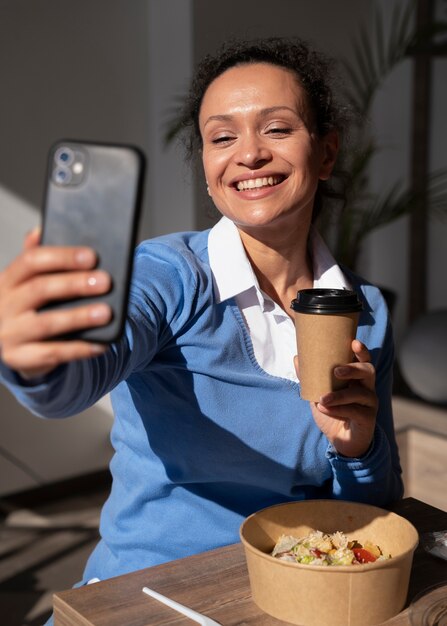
(68, 69)
(114, 70)
(386, 259)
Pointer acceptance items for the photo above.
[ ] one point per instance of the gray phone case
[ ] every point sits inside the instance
(93, 198)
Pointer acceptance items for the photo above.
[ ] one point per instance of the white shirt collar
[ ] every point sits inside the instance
(233, 273)
(327, 273)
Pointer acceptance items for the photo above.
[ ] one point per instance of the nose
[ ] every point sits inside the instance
(252, 151)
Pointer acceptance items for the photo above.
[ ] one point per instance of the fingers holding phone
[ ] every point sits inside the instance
(38, 276)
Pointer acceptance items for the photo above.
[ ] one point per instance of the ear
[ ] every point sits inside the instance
(329, 152)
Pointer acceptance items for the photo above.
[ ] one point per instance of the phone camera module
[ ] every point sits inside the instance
(62, 175)
(64, 156)
(69, 165)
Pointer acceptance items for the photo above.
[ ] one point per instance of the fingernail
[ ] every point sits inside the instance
(327, 399)
(341, 371)
(99, 279)
(99, 312)
(85, 257)
(34, 231)
(98, 348)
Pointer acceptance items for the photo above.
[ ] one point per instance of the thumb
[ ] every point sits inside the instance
(32, 238)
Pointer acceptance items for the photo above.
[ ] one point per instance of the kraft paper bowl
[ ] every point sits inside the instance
(312, 595)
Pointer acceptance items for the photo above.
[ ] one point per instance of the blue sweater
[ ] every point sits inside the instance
(203, 436)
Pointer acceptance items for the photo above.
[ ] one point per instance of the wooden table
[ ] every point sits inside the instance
(216, 583)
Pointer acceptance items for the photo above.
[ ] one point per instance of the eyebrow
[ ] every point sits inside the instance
(266, 111)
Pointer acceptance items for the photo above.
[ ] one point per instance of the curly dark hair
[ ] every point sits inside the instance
(312, 69)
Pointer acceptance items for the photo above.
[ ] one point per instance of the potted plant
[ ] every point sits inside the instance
(374, 57)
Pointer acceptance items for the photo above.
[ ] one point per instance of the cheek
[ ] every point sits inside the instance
(214, 166)
(300, 153)
(310, 163)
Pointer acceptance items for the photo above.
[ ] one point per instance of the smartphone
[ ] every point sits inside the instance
(93, 197)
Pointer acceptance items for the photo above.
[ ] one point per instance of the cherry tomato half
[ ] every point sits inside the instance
(364, 556)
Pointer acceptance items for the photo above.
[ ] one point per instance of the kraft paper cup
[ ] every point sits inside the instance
(326, 324)
(312, 595)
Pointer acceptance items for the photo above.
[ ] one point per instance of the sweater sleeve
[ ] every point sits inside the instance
(376, 477)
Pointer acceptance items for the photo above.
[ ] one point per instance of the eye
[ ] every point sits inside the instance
(280, 131)
(222, 139)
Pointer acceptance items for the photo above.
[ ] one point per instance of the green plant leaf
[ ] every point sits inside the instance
(376, 53)
(355, 223)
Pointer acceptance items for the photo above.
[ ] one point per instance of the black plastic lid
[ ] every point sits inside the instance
(326, 301)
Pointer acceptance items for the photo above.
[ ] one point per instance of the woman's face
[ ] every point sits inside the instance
(261, 156)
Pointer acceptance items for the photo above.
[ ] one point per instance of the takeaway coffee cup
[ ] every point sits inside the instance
(326, 323)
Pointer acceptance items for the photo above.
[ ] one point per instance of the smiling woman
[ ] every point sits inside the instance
(210, 424)
(263, 160)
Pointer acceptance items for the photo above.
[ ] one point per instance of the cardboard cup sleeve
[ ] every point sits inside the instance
(325, 329)
(323, 342)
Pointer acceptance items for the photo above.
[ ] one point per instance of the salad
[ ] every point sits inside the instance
(318, 548)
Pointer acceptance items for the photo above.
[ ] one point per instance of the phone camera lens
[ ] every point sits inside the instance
(64, 156)
(62, 175)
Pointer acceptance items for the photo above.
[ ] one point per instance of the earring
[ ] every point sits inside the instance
(208, 189)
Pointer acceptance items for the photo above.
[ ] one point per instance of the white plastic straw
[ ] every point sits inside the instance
(196, 617)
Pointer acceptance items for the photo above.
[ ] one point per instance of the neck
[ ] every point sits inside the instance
(282, 264)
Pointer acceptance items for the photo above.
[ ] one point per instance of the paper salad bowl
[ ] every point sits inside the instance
(343, 595)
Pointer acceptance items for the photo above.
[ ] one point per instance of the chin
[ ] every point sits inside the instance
(264, 219)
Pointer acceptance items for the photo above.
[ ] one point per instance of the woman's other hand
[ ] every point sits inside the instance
(348, 416)
(41, 274)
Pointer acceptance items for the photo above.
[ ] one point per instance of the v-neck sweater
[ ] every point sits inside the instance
(203, 436)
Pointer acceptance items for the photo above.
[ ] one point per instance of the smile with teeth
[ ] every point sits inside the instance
(256, 183)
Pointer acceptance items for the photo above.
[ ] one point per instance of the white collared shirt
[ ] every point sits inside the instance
(271, 329)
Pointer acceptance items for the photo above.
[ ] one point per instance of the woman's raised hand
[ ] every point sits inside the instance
(347, 417)
(29, 340)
